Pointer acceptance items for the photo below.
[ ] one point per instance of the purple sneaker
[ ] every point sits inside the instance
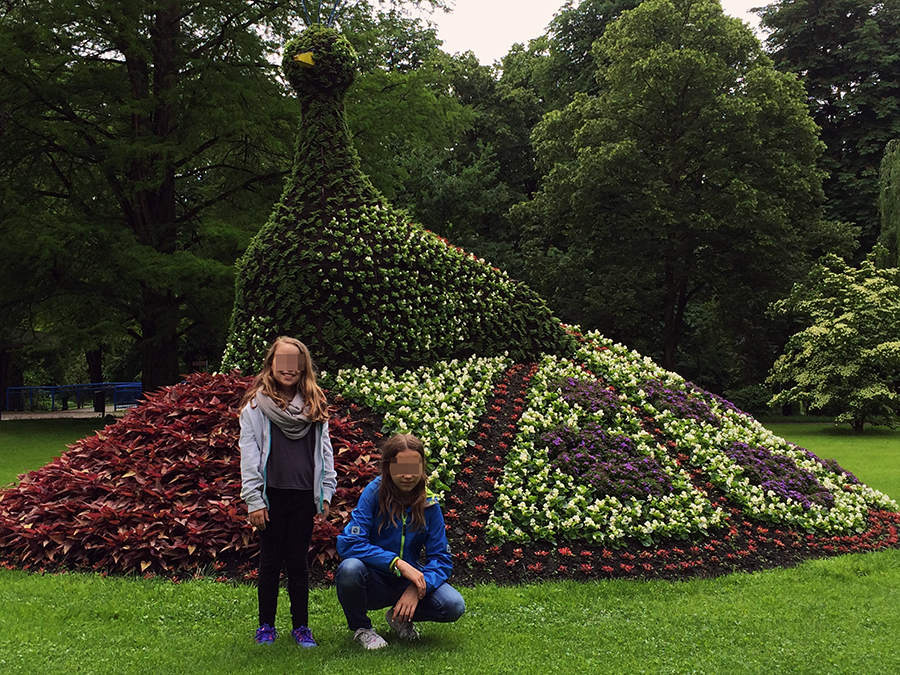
(266, 634)
(303, 637)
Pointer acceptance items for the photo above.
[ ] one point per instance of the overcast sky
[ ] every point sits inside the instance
(490, 27)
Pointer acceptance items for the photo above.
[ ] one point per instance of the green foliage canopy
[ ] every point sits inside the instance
(889, 201)
(572, 65)
(401, 106)
(848, 360)
(846, 53)
(690, 176)
(140, 141)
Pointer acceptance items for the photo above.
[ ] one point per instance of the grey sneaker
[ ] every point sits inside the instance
(369, 639)
(405, 629)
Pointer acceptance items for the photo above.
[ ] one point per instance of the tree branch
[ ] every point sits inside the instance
(224, 195)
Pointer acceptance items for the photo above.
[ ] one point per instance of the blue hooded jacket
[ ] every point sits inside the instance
(360, 539)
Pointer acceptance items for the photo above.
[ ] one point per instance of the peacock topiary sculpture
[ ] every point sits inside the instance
(339, 267)
(554, 454)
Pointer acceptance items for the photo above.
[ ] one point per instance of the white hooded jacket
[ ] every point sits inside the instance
(256, 443)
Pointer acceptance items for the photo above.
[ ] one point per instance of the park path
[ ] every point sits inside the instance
(78, 413)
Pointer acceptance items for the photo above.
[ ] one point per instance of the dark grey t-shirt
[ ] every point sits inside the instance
(290, 463)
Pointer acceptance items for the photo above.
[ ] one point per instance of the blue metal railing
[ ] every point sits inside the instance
(122, 395)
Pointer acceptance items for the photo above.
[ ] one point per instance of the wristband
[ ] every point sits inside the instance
(394, 568)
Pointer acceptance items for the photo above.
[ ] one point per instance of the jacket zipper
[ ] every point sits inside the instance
(320, 447)
(402, 536)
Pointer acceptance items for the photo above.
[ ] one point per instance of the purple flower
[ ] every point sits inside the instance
(691, 402)
(608, 464)
(779, 474)
(591, 395)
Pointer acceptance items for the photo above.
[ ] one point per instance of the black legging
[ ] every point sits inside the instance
(285, 542)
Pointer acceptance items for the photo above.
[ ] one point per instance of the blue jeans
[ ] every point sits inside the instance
(361, 588)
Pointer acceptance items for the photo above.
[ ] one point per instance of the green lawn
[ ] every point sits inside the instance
(873, 457)
(26, 445)
(825, 617)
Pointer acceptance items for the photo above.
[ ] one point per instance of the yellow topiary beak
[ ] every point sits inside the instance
(305, 59)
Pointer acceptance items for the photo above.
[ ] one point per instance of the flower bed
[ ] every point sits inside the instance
(605, 463)
(779, 474)
(537, 501)
(653, 495)
(380, 291)
(711, 442)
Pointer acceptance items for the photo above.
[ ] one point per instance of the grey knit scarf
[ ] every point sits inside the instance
(291, 421)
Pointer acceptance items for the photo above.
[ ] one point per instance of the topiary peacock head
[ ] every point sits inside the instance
(319, 62)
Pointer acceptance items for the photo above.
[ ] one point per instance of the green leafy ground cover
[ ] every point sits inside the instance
(825, 617)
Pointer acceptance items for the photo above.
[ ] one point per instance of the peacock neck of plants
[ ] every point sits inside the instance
(327, 177)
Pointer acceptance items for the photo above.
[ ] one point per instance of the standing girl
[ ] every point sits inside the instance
(287, 476)
(392, 523)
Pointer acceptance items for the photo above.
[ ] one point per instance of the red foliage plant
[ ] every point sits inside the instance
(159, 490)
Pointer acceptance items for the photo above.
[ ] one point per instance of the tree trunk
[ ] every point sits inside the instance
(159, 344)
(154, 209)
(10, 376)
(95, 364)
(675, 303)
(4, 377)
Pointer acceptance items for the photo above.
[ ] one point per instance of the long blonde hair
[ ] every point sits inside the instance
(391, 502)
(313, 396)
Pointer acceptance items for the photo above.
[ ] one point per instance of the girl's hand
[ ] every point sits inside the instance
(258, 519)
(322, 517)
(405, 608)
(415, 576)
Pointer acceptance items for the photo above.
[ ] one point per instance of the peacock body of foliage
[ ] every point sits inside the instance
(554, 454)
(349, 275)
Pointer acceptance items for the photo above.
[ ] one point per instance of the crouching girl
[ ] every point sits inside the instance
(391, 525)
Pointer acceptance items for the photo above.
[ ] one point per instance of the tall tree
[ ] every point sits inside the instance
(889, 202)
(572, 67)
(136, 119)
(153, 137)
(401, 104)
(846, 54)
(463, 191)
(690, 177)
